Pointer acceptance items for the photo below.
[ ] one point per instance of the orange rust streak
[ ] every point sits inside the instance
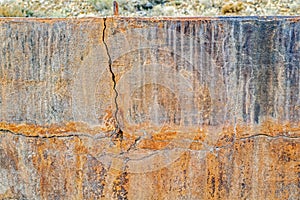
(50, 130)
(165, 134)
(153, 145)
(269, 128)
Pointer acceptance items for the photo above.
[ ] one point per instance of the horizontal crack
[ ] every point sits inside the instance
(261, 135)
(52, 136)
(137, 140)
(268, 136)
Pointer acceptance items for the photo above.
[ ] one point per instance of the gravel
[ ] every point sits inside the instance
(145, 8)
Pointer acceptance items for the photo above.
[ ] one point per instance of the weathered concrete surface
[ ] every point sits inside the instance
(122, 108)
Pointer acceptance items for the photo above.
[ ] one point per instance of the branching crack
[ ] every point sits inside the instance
(117, 131)
(136, 141)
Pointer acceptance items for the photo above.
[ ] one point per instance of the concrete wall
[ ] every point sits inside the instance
(132, 108)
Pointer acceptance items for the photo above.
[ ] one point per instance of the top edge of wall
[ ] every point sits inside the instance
(194, 18)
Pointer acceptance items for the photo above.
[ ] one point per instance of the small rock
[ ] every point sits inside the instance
(206, 3)
(158, 1)
(147, 6)
(232, 7)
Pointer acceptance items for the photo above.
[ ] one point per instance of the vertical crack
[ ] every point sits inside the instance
(117, 131)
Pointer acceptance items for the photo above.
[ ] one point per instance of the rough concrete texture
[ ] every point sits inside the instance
(132, 108)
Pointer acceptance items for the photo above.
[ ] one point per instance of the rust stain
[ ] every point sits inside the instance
(274, 128)
(294, 19)
(8, 195)
(109, 121)
(80, 151)
(51, 130)
(120, 185)
(153, 145)
(165, 133)
(50, 165)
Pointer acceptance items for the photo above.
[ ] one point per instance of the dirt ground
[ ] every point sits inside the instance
(83, 8)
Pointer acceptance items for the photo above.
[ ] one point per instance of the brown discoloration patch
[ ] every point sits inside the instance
(120, 186)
